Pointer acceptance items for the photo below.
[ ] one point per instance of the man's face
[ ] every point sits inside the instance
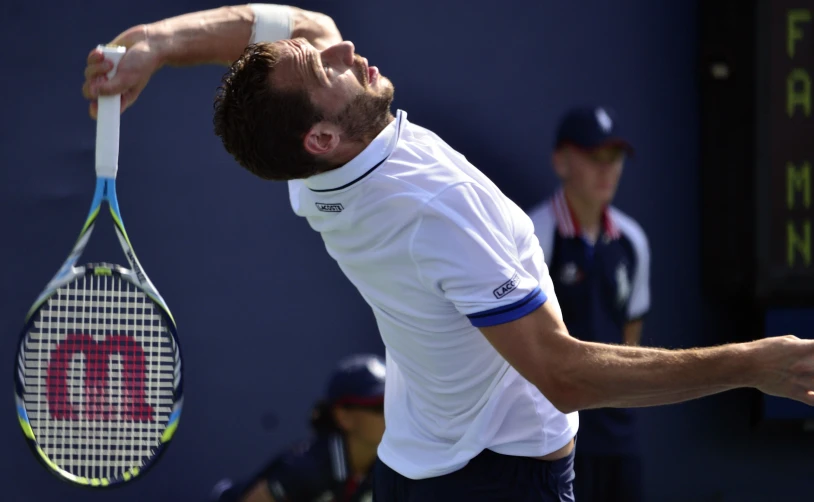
(592, 175)
(340, 83)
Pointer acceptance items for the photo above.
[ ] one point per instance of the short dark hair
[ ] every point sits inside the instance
(261, 126)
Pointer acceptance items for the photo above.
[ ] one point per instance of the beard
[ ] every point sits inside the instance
(367, 114)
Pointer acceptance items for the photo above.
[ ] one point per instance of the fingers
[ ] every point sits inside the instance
(101, 86)
(96, 82)
(90, 89)
(93, 70)
(95, 74)
(95, 56)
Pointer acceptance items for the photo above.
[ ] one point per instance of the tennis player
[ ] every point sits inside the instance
(483, 380)
(336, 463)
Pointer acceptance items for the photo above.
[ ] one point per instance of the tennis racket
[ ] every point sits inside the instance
(98, 376)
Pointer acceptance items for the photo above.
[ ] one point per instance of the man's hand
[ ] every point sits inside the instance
(215, 36)
(788, 368)
(134, 70)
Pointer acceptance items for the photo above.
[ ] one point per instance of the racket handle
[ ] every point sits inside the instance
(108, 118)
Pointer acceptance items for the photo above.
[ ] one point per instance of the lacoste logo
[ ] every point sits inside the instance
(507, 287)
(329, 208)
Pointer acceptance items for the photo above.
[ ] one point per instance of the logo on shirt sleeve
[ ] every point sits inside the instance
(507, 287)
(329, 208)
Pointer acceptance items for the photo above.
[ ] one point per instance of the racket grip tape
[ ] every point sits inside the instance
(108, 118)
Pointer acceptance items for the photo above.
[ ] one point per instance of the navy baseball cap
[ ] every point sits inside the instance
(358, 380)
(590, 127)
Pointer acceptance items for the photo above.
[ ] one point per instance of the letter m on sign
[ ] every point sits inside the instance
(97, 385)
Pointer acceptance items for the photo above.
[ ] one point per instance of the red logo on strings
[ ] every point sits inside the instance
(97, 356)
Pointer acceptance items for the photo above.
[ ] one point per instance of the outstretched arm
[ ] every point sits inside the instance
(215, 36)
(577, 375)
(525, 325)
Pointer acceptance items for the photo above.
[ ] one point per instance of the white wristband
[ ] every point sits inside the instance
(271, 22)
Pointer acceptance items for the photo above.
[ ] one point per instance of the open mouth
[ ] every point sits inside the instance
(368, 75)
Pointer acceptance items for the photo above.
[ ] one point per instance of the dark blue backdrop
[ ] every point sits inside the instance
(263, 312)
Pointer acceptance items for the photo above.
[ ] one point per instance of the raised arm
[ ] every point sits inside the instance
(576, 375)
(215, 36)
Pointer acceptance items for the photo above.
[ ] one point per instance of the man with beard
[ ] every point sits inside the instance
(483, 380)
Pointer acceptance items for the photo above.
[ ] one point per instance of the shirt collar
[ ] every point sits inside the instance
(363, 164)
(567, 224)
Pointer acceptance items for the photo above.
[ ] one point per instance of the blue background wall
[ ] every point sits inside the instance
(263, 312)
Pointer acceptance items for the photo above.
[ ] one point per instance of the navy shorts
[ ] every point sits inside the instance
(489, 477)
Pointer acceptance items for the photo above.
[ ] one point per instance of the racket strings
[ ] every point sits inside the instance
(99, 377)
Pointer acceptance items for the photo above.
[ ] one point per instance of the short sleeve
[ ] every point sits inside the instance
(465, 250)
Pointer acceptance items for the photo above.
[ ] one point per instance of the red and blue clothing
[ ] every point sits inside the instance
(601, 286)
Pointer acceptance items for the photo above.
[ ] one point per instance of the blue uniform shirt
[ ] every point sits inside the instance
(601, 287)
(316, 470)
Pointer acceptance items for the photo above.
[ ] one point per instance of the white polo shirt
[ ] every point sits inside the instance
(437, 251)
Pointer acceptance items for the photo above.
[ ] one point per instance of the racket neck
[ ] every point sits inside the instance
(66, 272)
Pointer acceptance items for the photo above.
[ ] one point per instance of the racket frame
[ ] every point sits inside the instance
(107, 151)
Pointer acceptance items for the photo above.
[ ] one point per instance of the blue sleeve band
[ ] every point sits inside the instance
(508, 313)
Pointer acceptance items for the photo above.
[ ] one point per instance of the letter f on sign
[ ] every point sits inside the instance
(795, 18)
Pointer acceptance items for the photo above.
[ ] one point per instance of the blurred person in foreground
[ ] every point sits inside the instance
(335, 464)
(599, 260)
